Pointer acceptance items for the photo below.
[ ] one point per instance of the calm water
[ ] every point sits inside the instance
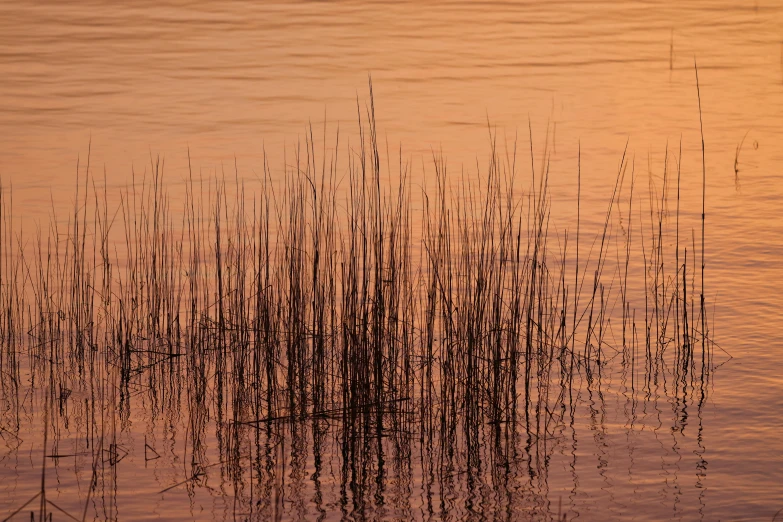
(230, 80)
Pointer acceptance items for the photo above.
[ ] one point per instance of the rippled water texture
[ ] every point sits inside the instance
(214, 89)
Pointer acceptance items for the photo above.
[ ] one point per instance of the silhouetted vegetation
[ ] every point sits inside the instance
(430, 342)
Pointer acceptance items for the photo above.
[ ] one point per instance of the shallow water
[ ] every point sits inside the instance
(230, 80)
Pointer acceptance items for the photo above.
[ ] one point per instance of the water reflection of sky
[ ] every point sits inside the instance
(233, 80)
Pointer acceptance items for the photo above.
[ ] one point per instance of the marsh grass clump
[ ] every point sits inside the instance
(360, 321)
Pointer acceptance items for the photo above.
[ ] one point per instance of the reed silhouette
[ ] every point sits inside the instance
(337, 325)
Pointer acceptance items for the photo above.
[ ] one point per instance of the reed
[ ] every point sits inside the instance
(358, 308)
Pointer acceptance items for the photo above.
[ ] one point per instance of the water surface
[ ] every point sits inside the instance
(228, 82)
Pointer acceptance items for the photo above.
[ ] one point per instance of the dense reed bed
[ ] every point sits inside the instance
(408, 339)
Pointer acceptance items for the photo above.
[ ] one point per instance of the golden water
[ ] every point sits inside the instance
(230, 81)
